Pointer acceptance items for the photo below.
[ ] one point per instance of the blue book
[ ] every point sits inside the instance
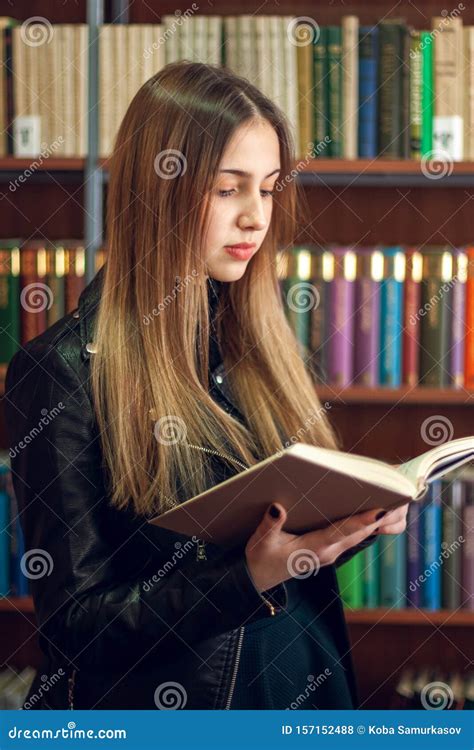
(4, 531)
(368, 97)
(391, 317)
(432, 560)
(414, 554)
(393, 570)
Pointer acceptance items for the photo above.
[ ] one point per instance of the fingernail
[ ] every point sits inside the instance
(274, 511)
(380, 515)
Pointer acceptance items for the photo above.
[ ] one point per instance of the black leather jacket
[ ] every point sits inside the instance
(128, 615)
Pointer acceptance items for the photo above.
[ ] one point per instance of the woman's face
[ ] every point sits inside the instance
(241, 201)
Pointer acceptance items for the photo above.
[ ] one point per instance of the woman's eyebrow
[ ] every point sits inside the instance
(247, 174)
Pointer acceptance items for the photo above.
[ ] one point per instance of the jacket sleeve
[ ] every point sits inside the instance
(86, 560)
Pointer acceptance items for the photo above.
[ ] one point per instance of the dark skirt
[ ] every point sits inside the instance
(290, 660)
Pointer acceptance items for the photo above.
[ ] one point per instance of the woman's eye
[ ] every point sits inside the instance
(265, 193)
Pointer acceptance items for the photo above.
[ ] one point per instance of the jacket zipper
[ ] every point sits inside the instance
(199, 556)
(236, 668)
(201, 545)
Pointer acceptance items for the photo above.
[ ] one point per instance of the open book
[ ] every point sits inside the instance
(315, 485)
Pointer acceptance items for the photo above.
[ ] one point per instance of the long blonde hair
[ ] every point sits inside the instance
(152, 326)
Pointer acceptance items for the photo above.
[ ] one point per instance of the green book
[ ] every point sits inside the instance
(334, 62)
(351, 581)
(320, 94)
(427, 93)
(9, 301)
(371, 575)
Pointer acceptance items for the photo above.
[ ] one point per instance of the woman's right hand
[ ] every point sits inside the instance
(274, 556)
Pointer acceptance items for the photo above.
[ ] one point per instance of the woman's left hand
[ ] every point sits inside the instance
(395, 521)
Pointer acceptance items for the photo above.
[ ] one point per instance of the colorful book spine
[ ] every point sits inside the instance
(369, 264)
(368, 98)
(341, 318)
(391, 311)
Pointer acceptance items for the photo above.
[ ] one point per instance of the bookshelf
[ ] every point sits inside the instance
(388, 201)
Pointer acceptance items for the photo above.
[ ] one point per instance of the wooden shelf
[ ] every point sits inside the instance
(16, 604)
(427, 618)
(379, 616)
(379, 166)
(399, 396)
(63, 164)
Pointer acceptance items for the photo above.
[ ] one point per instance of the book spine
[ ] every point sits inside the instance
(452, 509)
(411, 314)
(367, 323)
(416, 84)
(371, 575)
(321, 93)
(393, 571)
(350, 582)
(458, 319)
(390, 90)
(334, 56)
(414, 555)
(431, 519)
(341, 326)
(468, 548)
(391, 312)
(427, 92)
(368, 112)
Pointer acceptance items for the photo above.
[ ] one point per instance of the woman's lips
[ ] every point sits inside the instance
(240, 253)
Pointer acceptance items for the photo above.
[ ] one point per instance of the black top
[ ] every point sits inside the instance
(289, 660)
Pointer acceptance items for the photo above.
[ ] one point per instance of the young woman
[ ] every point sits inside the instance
(177, 370)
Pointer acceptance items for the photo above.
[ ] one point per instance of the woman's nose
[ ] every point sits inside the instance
(253, 217)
